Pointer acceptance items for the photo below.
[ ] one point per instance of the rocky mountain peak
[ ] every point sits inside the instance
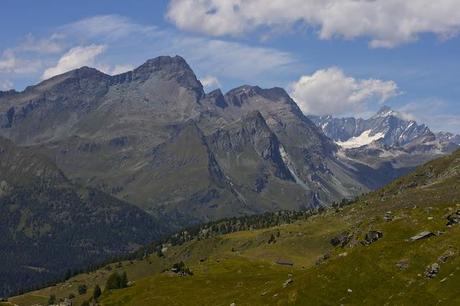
(386, 111)
(217, 97)
(240, 95)
(7, 93)
(165, 63)
(166, 68)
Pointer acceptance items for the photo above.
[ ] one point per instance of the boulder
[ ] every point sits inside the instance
(403, 264)
(432, 270)
(388, 216)
(284, 262)
(341, 240)
(453, 218)
(288, 282)
(446, 255)
(422, 235)
(372, 237)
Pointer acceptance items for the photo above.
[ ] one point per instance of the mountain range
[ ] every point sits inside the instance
(387, 128)
(151, 143)
(154, 138)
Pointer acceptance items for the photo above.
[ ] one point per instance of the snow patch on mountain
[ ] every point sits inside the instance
(364, 139)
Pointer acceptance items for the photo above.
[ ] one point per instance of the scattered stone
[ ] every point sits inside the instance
(372, 237)
(284, 262)
(403, 264)
(430, 218)
(443, 280)
(422, 235)
(232, 304)
(432, 270)
(264, 293)
(453, 218)
(446, 255)
(341, 240)
(350, 291)
(344, 254)
(323, 258)
(288, 282)
(388, 216)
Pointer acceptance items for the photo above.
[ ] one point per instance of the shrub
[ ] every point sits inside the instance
(82, 289)
(117, 281)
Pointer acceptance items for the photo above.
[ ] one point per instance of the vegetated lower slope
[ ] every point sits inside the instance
(297, 264)
(49, 226)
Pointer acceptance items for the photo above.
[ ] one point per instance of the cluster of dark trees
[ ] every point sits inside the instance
(117, 281)
(226, 226)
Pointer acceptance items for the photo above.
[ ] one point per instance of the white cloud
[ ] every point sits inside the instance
(6, 85)
(114, 70)
(75, 58)
(230, 59)
(131, 42)
(386, 22)
(106, 26)
(118, 69)
(441, 116)
(41, 45)
(210, 82)
(331, 92)
(10, 63)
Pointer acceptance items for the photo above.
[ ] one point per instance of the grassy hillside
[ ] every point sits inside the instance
(242, 267)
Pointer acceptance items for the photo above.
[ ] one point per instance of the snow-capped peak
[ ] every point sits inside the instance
(364, 139)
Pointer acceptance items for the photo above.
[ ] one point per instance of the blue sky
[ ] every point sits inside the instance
(343, 57)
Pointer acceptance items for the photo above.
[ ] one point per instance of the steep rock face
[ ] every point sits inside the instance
(183, 179)
(48, 111)
(308, 153)
(250, 155)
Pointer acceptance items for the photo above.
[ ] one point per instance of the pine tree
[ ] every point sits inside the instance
(52, 299)
(97, 292)
(123, 280)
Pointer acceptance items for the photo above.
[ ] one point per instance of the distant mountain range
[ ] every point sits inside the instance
(387, 128)
(153, 144)
(386, 141)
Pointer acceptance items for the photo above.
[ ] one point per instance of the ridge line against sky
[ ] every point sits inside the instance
(338, 57)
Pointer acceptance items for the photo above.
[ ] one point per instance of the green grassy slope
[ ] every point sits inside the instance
(241, 267)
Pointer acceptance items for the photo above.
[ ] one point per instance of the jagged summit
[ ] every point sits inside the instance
(385, 110)
(387, 136)
(173, 66)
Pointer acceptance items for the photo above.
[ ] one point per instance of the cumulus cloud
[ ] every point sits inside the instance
(387, 23)
(75, 58)
(210, 82)
(331, 92)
